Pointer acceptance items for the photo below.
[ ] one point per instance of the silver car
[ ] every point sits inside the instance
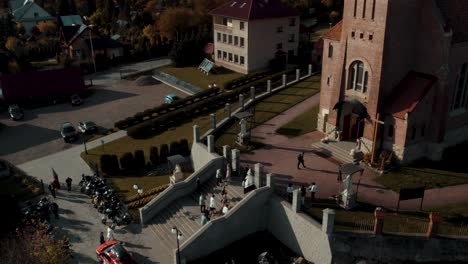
(87, 127)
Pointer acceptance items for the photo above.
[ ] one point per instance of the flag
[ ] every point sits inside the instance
(56, 180)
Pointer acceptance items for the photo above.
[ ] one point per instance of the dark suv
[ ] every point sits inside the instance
(16, 113)
(68, 132)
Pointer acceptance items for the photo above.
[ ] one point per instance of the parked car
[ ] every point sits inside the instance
(171, 98)
(76, 100)
(112, 252)
(68, 132)
(87, 127)
(16, 113)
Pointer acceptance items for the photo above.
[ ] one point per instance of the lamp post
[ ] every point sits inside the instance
(179, 236)
(212, 85)
(84, 143)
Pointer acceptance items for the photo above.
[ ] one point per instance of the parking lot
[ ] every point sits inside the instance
(39, 133)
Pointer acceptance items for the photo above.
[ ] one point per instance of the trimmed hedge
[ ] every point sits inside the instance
(174, 148)
(154, 156)
(140, 161)
(246, 79)
(109, 164)
(163, 153)
(127, 161)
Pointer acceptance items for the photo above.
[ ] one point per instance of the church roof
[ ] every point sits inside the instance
(409, 92)
(254, 9)
(335, 32)
(455, 14)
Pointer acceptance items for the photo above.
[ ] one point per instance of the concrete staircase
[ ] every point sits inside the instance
(184, 213)
(339, 150)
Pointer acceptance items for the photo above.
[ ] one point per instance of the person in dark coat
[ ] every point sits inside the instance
(303, 194)
(300, 160)
(69, 183)
(198, 185)
(54, 208)
(101, 238)
(52, 190)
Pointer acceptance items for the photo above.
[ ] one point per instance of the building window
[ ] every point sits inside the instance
(225, 21)
(328, 80)
(373, 9)
(218, 37)
(330, 50)
(236, 58)
(230, 39)
(353, 34)
(219, 54)
(292, 38)
(391, 131)
(236, 40)
(229, 22)
(224, 55)
(364, 9)
(292, 22)
(242, 62)
(241, 25)
(371, 37)
(361, 35)
(279, 29)
(358, 77)
(242, 42)
(355, 8)
(230, 57)
(459, 95)
(279, 46)
(224, 38)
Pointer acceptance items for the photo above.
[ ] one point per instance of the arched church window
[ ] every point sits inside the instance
(358, 77)
(459, 95)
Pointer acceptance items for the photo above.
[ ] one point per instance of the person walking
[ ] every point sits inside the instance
(300, 160)
(54, 208)
(52, 190)
(225, 209)
(69, 183)
(303, 194)
(101, 238)
(313, 191)
(212, 204)
(290, 191)
(219, 177)
(204, 217)
(201, 202)
(198, 185)
(110, 233)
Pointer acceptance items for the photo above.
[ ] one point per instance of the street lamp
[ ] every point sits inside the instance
(179, 236)
(212, 85)
(84, 143)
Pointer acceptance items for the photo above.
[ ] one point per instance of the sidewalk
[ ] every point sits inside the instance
(280, 153)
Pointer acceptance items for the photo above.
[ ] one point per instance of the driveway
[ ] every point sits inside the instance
(38, 134)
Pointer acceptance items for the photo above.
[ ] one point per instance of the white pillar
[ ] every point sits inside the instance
(258, 174)
(228, 109)
(227, 152)
(298, 74)
(211, 143)
(296, 201)
(196, 134)
(213, 120)
(269, 86)
(241, 101)
(235, 159)
(310, 69)
(252, 92)
(270, 180)
(328, 220)
(284, 79)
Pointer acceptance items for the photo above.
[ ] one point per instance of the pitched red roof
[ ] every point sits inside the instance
(455, 14)
(408, 93)
(335, 32)
(254, 9)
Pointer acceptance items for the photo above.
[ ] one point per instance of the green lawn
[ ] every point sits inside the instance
(273, 106)
(362, 217)
(452, 170)
(194, 76)
(302, 124)
(124, 185)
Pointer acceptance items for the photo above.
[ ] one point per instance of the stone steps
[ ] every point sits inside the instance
(335, 150)
(184, 213)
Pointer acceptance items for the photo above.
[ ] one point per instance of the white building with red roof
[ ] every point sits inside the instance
(249, 33)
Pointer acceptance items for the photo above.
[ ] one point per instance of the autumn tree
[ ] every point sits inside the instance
(175, 22)
(47, 27)
(11, 43)
(151, 34)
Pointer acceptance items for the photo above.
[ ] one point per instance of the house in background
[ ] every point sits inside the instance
(250, 33)
(394, 76)
(71, 20)
(29, 14)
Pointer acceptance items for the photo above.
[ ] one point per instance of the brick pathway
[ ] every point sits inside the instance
(279, 157)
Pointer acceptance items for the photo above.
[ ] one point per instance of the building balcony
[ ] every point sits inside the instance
(223, 28)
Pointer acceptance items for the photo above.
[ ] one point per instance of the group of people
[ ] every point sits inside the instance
(312, 189)
(54, 185)
(207, 214)
(110, 234)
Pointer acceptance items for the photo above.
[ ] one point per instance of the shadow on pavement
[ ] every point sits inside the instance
(142, 259)
(131, 245)
(17, 138)
(80, 258)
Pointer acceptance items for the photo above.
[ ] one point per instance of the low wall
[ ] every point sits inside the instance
(201, 156)
(298, 232)
(247, 217)
(175, 82)
(351, 247)
(180, 189)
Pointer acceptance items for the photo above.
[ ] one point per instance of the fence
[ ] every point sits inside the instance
(405, 224)
(448, 229)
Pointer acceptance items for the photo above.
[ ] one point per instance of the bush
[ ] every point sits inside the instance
(163, 153)
(114, 161)
(184, 147)
(174, 148)
(139, 116)
(154, 156)
(106, 163)
(121, 124)
(127, 161)
(140, 161)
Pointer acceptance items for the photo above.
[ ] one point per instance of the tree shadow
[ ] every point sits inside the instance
(17, 138)
(142, 259)
(79, 258)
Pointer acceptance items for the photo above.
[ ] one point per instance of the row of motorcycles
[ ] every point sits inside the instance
(39, 211)
(105, 199)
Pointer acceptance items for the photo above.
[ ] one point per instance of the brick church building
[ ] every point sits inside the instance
(395, 74)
